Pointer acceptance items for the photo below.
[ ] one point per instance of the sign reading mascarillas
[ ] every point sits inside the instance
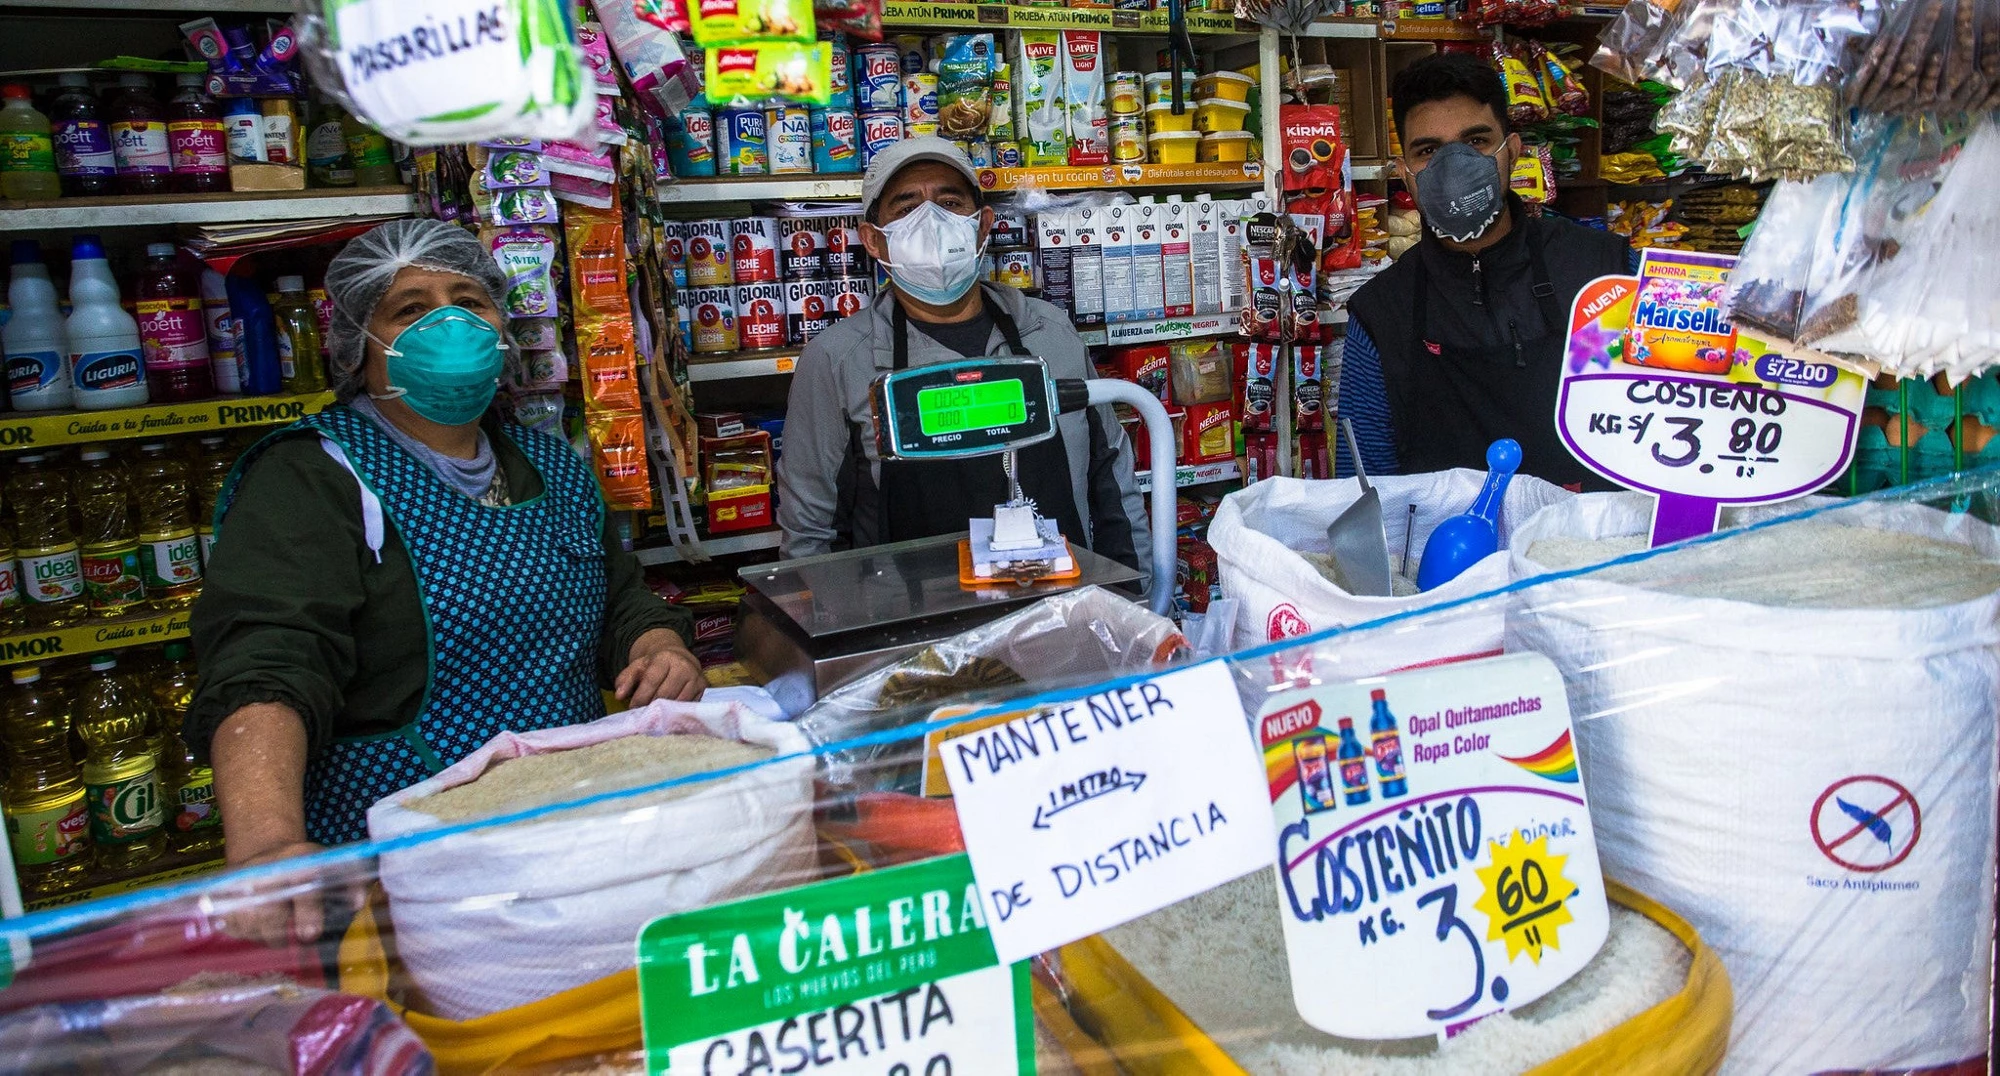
(1435, 857)
(884, 972)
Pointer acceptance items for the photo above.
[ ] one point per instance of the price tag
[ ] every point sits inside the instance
(884, 973)
(1697, 412)
(1434, 846)
(1084, 814)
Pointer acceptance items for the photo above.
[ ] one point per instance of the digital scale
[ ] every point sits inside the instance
(810, 624)
(982, 407)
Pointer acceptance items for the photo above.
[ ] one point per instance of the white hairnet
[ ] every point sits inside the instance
(361, 274)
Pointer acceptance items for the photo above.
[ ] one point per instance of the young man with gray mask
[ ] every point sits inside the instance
(1461, 341)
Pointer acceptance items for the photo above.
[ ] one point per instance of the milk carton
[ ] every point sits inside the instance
(1083, 97)
(1148, 283)
(1086, 263)
(1204, 255)
(1176, 271)
(1116, 238)
(1039, 116)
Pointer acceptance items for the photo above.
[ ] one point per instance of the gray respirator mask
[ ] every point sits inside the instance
(1459, 193)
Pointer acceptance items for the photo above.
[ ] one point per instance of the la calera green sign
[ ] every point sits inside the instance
(890, 973)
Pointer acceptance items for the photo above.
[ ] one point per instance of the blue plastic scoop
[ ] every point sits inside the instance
(1464, 540)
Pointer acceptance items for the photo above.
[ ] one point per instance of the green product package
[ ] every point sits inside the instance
(741, 74)
(736, 22)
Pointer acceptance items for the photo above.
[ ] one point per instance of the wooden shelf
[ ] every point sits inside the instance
(1095, 177)
(925, 16)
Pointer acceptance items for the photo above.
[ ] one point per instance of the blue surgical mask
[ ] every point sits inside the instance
(446, 366)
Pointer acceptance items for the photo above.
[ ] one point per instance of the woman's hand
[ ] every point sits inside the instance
(281, 913)
(661, 668)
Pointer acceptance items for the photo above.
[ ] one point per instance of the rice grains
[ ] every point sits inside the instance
(560, 776)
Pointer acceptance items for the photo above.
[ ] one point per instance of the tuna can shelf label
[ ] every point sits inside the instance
(1083, 814)
(886, 971)
(1436, 863)
(1661, 394)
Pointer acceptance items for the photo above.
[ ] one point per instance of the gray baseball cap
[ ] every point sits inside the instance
(888, 162)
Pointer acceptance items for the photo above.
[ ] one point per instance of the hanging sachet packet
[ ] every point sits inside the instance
(450, 71)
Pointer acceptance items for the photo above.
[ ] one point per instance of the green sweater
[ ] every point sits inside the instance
(295, 609)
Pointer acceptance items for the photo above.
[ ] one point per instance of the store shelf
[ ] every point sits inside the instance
(1398, 30)
(1195, 474)
(50, 644)
(739, 364)
(919, 16)
(1094, 177)
(1147, 332)
(172, 867)
(233, 207)
(716, 547)
(756, 189)
(24, 430)
(1370, 170)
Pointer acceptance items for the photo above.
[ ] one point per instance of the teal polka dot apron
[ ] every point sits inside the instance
(513, 598)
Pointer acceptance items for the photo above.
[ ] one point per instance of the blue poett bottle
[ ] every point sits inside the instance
(1353, 764)
(1386, 744)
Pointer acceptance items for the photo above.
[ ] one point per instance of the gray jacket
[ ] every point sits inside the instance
(829, 499)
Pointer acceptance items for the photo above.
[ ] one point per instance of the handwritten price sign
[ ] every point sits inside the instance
(1435, 857)
(1779, 423)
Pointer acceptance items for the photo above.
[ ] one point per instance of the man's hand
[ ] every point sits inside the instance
(661, 668)
(276, 913)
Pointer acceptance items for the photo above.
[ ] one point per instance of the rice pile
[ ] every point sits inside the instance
(560, 776)
(1400, 585)
(1221, 958)
(1795, 566)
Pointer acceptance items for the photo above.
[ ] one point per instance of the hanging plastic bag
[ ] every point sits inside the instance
(1767, 288)
(449, 71)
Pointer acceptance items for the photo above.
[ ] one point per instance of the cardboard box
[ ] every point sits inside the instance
(745, 509)
(1209, 434)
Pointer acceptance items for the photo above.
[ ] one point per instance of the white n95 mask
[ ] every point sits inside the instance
(933, 253)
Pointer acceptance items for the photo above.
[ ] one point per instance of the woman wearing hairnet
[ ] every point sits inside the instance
(403, 576)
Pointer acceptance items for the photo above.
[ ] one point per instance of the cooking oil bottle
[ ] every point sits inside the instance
(121, 772)
(12, 615)
(211, 472)
(48, 819)
(169, 552)
(51, 568)
(196, 825)
(111, 577)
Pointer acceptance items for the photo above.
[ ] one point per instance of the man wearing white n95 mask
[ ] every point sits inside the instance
(922, 219)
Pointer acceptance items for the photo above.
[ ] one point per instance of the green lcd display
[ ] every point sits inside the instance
(981, 405)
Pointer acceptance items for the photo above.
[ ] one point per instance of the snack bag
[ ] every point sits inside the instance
(966, 104)
(1040, 118)
(1083, 97)
(729, 22)
(741, 74)
(527, 258)
(1525, 104)
(610, 364)
(618, 452)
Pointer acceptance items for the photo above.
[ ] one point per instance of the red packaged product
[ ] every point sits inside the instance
(1315, 152)
(1259, 363)
(1313, 461)
(1197, 573)
(1147, 367)
(1209, 435)
(1308, 390)
(1260, 455)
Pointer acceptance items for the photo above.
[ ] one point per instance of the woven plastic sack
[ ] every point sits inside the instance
(1813, 788)
(1260, 532)
(1082, 636)
(500, 916)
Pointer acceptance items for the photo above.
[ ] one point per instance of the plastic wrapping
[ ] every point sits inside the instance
(1745, 708)
(436, 74)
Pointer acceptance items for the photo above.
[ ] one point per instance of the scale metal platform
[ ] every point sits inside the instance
(809, 625)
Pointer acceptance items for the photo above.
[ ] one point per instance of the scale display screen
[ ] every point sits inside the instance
(978, 406)
(956, 409)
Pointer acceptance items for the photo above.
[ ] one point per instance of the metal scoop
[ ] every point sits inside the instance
(1356, 539)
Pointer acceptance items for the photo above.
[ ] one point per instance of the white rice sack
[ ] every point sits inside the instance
(1220, 958)
(1788, 737)
(1268, 536)
(499, 917)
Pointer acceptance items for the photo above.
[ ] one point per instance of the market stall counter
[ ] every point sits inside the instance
(1683, 822)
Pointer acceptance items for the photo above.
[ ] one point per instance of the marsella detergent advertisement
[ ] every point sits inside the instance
(1435, 857)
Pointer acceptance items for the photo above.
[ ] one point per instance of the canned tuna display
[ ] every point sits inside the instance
(879, 131)
(801, 248)
(753, 243)
(835, 141)
(788, 138)
(878, 79)
(713, 314)
(708, 243)
(740, 142)
(760, 316)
